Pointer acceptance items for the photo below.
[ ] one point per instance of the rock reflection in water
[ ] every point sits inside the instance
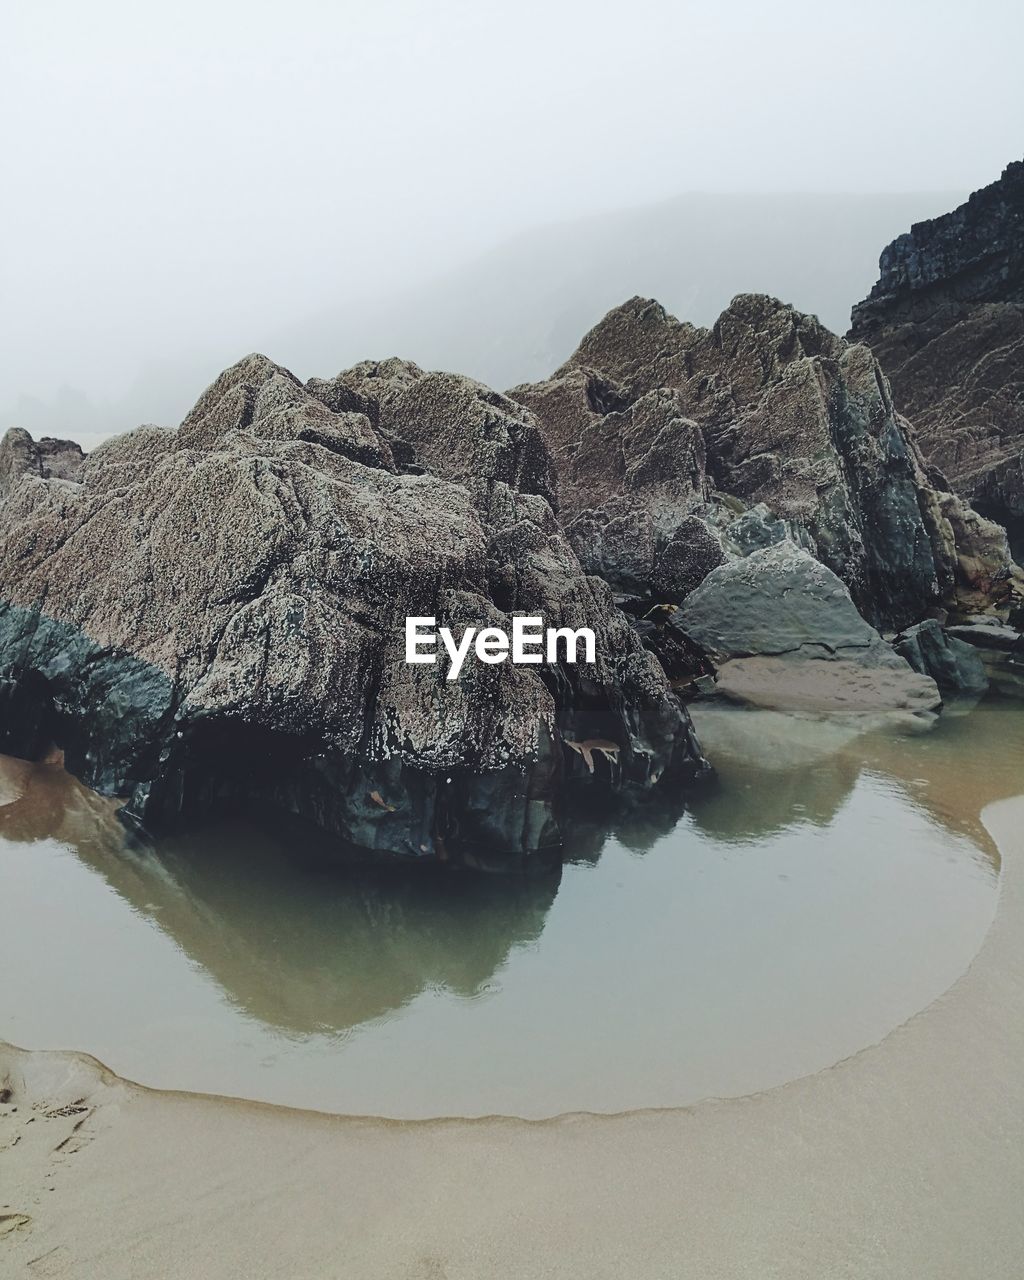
(308, 948)
(671, 961)
(291, 940)
(776, 770)
(773, 771)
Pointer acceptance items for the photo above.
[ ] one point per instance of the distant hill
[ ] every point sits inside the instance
(517, 312)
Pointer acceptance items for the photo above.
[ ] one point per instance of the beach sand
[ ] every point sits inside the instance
(905, 1161)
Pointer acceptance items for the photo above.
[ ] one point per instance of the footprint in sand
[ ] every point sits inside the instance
(12, 1221)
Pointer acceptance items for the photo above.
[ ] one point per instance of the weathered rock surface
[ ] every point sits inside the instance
(632, 477)
(779, 600)
(946, 321)
(663, 433)
(786, 634)
(953, 664)
(215, 615)
(46, 458)
(1001, 649)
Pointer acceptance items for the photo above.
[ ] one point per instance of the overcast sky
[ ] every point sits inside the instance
(184, 174)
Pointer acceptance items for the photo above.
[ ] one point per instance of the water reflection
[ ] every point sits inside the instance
(245, 908)
(669, 962)
(773, 771)
(777, 771)
(247, 913)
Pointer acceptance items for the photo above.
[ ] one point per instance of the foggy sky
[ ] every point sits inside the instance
(192, 180)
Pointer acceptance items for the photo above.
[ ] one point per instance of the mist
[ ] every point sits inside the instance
(463, 184)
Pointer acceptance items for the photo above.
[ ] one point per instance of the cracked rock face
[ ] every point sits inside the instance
(215, 616)
(655, 425)
(946, 321)
(632, 480)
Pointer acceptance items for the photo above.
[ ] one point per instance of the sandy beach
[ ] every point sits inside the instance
(906, 1160)
(512, 642)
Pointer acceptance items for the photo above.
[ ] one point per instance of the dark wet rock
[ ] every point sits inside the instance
(786, 634)
(953, 664)
(684, 661)
(946, 321)
(766, 410)
(988, 633)
(214, 617)
(1001, 649)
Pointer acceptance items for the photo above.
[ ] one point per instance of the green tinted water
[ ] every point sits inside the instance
(831, 886)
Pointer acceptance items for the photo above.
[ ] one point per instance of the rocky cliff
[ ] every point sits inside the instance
(214, 615)
(946, 321)
(671, 442)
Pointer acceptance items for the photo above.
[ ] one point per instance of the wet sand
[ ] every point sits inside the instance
(904, 1161)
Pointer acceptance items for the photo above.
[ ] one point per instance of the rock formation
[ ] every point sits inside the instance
(953, 664)
(214, 615)
(946, 321)
(786, 634)
(663, 434)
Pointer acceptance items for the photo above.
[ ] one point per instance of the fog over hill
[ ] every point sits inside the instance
(513, 314)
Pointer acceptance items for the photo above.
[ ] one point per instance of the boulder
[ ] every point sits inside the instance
(953, 664)
(446, 424)
(777, 600)
(655, 424)
(787, 635)
(946, 322)
(213, 617)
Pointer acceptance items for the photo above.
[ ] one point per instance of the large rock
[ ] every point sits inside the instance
(21, 455)
(779, 600)
(766, 409)
(953, 664)
(215, 615)
(786, 634)
(946, 321)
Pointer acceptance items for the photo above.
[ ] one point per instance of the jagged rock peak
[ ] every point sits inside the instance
(454, 426)
(946, 321)
(975, 253)
(640, 337)
(45, 458)
(768, 407)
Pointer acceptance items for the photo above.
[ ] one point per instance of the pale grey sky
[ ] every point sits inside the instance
(200, 176)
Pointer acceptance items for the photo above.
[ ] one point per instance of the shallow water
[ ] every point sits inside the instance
(828, 889)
